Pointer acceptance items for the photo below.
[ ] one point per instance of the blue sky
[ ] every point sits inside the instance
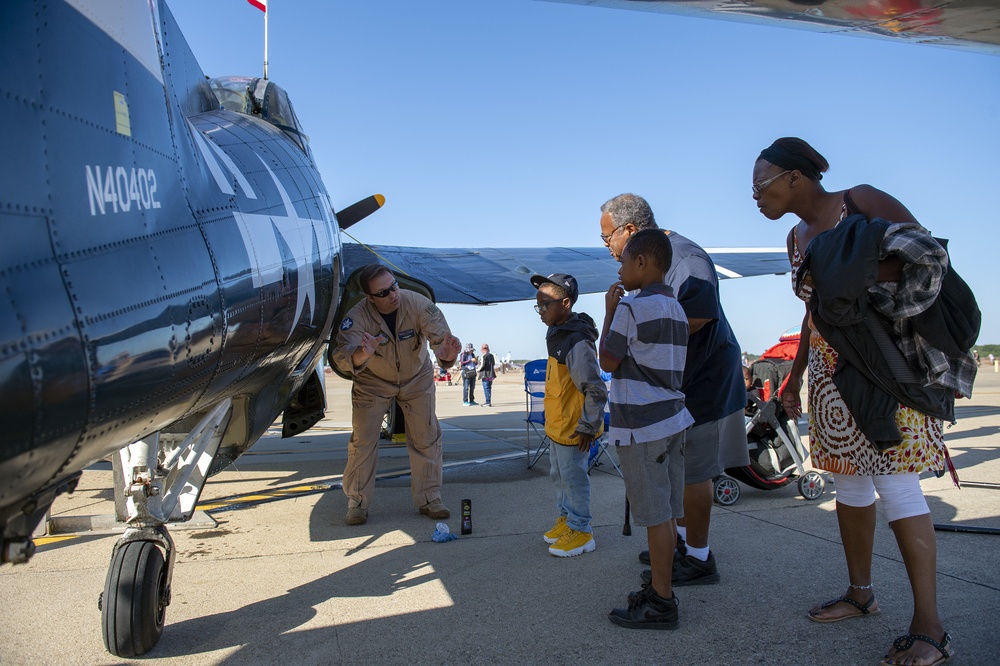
(507, 123)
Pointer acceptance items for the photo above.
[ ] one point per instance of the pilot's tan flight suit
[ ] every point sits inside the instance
(400, 368)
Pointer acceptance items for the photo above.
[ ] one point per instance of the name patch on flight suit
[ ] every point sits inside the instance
(407, 334)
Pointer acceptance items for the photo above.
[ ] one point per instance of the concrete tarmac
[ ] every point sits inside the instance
(281, 579)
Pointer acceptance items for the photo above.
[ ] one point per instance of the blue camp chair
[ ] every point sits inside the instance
(534, 399)
(600, 447)
(534, 392)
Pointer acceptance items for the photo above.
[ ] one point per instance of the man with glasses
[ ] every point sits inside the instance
(382, 343)
(713, 385)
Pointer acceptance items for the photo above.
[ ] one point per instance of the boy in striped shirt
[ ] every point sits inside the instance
(644, 345)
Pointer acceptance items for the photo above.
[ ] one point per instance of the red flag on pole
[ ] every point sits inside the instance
(259, 4)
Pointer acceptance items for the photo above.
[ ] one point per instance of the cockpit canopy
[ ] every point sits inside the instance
(262, 98)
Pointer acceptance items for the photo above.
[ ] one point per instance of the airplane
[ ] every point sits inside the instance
(172, 268)
(967, 25)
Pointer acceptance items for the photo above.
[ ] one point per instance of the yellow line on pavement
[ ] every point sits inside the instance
(259, 496)
(45, 541)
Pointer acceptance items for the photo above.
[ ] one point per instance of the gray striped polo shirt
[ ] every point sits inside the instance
(648, 337)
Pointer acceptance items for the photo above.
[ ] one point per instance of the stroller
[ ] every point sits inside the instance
(776, 451)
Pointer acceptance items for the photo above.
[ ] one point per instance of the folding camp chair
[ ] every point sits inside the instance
(601, 444)
(534, 407)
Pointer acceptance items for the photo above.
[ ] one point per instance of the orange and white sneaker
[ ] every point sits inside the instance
(573, 543)
(557, 530)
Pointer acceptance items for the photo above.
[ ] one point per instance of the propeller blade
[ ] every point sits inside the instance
(359, 211)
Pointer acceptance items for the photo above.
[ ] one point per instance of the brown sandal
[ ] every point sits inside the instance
(864, 608)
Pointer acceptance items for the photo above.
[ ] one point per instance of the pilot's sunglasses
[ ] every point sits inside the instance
(385, 292)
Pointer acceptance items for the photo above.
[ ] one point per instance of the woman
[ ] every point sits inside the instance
(786, 179)
(468, 362)
(487, 373)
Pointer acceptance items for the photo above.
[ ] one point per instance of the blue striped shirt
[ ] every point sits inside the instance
(648, 338)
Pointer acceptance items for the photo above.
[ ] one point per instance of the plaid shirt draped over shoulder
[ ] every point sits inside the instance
(924, 268)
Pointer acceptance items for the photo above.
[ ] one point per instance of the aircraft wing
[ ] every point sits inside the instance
(970, 25)
(480, 276)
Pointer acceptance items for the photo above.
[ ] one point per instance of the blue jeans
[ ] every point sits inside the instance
(468, 389)
(568, 470)
(488, 390)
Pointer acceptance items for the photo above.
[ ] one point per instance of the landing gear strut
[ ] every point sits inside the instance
(157, 480)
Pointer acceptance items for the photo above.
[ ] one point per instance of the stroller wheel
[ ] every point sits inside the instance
(727, 490)
(812, 485)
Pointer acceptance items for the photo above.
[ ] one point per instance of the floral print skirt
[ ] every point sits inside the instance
(837, 445)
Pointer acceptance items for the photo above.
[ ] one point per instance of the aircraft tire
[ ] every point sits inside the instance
(132, 606)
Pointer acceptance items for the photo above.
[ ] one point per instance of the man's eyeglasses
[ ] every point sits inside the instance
(759, 187)
(385, 292)
(544, 305)
(607, 239)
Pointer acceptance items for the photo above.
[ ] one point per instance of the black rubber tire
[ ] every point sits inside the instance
(132, 607)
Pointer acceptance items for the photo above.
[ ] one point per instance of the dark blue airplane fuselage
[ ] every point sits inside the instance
(158, 253)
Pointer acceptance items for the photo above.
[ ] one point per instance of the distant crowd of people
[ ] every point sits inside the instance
(678, 389)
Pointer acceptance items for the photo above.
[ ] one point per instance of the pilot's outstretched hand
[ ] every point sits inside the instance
(364, 351)
(369, 343)
(448, 351)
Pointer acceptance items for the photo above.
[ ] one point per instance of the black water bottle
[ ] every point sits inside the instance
(466, 516)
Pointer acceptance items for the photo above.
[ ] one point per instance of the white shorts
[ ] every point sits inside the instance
(901, 494)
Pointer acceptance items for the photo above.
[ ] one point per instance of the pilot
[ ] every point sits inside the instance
(382, 343)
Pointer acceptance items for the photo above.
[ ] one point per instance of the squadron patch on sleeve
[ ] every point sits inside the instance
(346, 324)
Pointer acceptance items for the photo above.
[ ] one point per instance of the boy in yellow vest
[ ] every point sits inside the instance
(575, 396)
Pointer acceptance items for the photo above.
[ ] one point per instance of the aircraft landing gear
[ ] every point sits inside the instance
(136, 592)
(156, 480)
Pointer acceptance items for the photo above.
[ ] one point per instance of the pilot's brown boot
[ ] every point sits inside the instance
(356, 516)
(435, 509)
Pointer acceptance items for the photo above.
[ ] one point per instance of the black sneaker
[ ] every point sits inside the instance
(679, 551)
(689, 570)
(646, 610)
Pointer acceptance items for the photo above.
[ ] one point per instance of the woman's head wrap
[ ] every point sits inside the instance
(786, 159)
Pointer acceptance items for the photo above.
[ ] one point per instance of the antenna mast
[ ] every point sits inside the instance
(262, 6)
